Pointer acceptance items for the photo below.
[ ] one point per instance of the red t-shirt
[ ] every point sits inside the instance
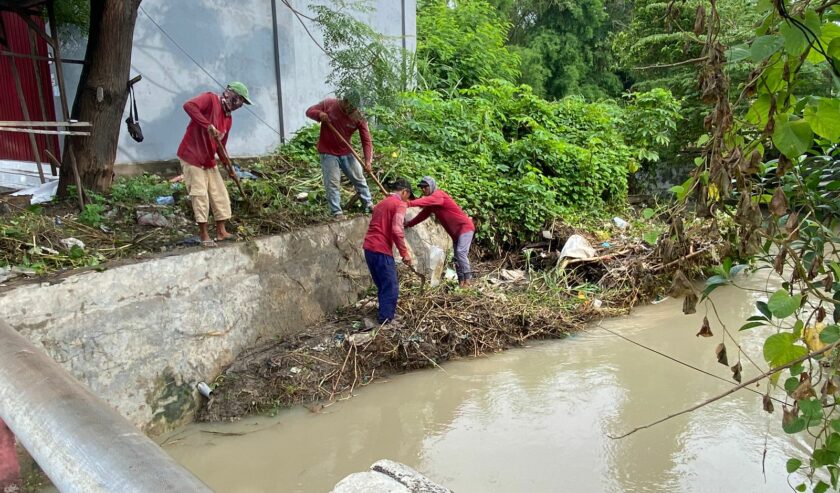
(386, 227)
(328, 143)
(197, 147)
(447, 212)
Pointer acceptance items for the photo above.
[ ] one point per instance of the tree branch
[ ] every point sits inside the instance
(732, 390)
(677, 64)
(826, 5)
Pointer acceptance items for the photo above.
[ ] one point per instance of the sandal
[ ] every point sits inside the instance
(208, 244)
(231, 237)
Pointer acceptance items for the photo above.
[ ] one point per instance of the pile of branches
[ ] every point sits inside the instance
(330, 361)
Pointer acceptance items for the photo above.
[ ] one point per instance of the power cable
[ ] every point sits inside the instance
(680, 362)
(223, 86)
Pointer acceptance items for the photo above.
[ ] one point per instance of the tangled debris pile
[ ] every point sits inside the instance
(506, 308)
(334, 358)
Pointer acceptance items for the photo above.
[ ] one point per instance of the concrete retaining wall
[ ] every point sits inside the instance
(142, 335)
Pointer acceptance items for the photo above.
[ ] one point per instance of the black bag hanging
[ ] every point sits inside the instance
(133, 120)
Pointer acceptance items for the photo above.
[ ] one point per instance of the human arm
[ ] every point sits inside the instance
(367, 143)
(317, 112)
(198, 108)
(419, 218)
(435, 199)
(399, 233)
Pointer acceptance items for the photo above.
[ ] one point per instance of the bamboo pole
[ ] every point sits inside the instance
(25, 109)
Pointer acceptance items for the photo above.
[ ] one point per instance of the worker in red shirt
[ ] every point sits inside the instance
(209, 118)
(385, 231)
(336, 156)
(457, 224)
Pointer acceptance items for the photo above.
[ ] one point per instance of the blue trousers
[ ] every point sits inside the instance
(383, 270)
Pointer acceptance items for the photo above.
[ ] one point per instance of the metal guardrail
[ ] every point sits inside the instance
(76, 438)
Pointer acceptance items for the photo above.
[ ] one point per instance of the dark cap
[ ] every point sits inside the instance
(423, 183)
(401, 184)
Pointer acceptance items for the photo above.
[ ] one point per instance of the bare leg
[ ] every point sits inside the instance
(221, 232)
(202, 232)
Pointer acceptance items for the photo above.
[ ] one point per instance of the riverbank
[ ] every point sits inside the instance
(519, 298)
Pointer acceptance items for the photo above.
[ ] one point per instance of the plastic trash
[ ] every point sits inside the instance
(302, 196)
(243, 175)
(71, 242)
(620, 223)
(154, 219)
(41, 193)
(165, 200)
(605, 244)
(577, 247)
(58, 221)
(596, 303)
(204, 389)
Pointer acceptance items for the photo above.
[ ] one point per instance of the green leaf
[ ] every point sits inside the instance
(764, 46)
(795, 426)
(835, 425)
(812, 409)
(751, 325)
(650, 237)
(830, 334)
(824, 118)
(790, 384)
(737, 53)
(823, 457)
(821, 487)
(792, 465)
(795, 42)
(792, 137)
(779, 349)
(648, 213)
(834, 48)
(716, 280)
(677, 189)
(759, 111)
(783, 305)
(762, 307)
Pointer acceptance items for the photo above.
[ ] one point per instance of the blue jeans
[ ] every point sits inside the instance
(383, 270)
(331, 167)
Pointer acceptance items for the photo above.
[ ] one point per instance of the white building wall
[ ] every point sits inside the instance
(231, 41)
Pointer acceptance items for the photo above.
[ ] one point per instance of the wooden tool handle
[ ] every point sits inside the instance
(358, 158)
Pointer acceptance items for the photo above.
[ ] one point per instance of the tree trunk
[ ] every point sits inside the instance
(102, 93)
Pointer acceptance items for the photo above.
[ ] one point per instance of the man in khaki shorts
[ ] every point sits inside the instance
(209, 118)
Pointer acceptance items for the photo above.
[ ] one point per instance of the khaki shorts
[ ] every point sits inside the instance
(207, 191)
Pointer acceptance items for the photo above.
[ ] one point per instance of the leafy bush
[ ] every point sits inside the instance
(448, 34)
(512, 160)
(92, 215)
(139, 189)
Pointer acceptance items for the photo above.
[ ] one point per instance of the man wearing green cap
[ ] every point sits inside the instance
(209, 118)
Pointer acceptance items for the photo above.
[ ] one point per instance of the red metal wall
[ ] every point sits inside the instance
(16, 145)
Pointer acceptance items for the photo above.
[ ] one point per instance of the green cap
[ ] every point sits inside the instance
(240, 88)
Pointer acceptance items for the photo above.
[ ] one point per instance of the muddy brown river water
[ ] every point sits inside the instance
(534, 419)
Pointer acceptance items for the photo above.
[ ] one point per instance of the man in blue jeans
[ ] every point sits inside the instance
(384, 232)
(336, 156)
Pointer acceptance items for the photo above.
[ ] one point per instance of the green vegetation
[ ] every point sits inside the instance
(514, 161)
(447, 36)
